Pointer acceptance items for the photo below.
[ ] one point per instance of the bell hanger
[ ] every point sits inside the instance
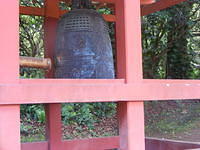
(81, 4)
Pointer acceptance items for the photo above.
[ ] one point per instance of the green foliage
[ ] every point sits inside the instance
(31, 36)
(31, 43)
(169, 44)
(86, 114)
(33, 112)
(32, 3)
(31, 73)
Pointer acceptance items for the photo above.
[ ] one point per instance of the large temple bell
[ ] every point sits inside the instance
(83, 46)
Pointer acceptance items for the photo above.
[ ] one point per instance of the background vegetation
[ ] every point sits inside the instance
(171, 50)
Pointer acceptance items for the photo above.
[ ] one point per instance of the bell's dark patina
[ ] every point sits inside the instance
(83, 46)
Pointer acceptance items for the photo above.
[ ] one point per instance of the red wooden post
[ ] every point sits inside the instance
(128, 33)
(131, 125)
(9, 127)
(9, 73)
(128, 37)
(133, 46)
(53, 126)
(53, 111)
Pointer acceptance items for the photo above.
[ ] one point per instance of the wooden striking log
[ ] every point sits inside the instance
(32, 62)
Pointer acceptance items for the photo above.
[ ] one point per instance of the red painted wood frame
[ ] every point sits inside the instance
(130, 87)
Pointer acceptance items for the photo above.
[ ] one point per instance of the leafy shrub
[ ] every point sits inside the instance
(33, 112)
(86, 114)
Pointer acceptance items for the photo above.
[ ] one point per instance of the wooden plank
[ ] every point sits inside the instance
(52, 92)
(34, 146)
(128, 38)
(131, 125)
(104, 1)
(143, 2)
(9, 41)
(35, 11)
(100, 1)
(166, 144)
(73, 81)
(120, 40)
(160, 5)
(133, 46)
(53, 126)
(147, 2)
(81, 144)
(145, 9)
(109, 18)
(104, 143)
(113, 142)
(53, 14)
(53, 111)
(9, 127)
(9, 73)
(56, 93)
(130, 114)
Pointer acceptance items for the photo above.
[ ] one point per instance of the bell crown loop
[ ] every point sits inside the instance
(81, 4)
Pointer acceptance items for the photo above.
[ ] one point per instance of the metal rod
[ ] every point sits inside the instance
(33, 62)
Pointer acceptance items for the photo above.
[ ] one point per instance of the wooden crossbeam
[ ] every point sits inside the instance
(100, 1)
(96, 90)
(166, 144)
(79, 144)
(143, 2)
(34, 146)
(9, 73)
(160, 5)
(35, 11)
(145, 9)
(113, 142)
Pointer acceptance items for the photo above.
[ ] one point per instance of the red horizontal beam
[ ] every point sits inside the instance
(105, 1)
(101, 1)
(145, 9)
(36, 11)
(92, 144)
(41, 12)
(143, 2)
(111, 143)
(160, 5)
(62, 91)
(83, 144)
(165, 144)
(35, 146)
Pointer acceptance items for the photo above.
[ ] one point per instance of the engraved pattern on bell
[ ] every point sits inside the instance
(83, 46)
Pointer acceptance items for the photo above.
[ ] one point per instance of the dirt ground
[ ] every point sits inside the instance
(192, 135)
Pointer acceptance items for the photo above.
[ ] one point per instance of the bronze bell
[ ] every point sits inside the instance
(83, 46)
